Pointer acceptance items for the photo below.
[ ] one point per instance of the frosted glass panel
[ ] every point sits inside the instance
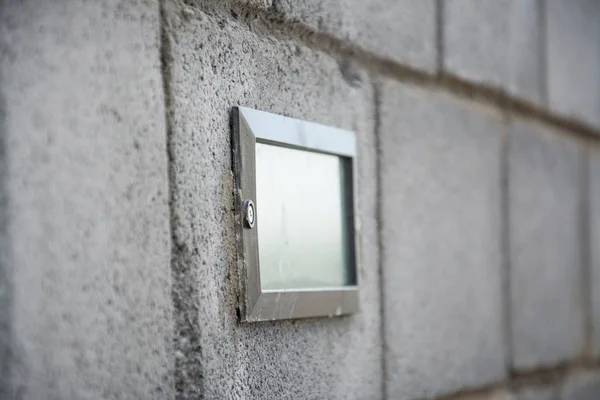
(303, 219)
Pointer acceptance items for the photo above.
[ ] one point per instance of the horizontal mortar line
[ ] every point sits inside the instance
(278, 25)
(543, 377)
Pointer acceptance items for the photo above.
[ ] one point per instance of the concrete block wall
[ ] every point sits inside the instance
(217, 356)
(86, 281)
(495, 43)
(478, 125)
(440, 171)
(545, 237)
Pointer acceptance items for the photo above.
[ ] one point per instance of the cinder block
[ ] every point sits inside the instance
(86, 302)
(218, 63)
(573, 40)
(441, 235)
(495, 42)
(594, 202)
(546, 311)
(402, 30)
(585, 387)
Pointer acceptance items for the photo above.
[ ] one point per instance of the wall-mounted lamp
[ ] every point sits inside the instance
(295, 213)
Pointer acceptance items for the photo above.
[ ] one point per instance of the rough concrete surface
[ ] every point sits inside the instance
(584, 387)
(441, 182)
(402, 30)
(594, 218)
(537, 393)
(573, 63)
(544, 175)
(84, 198)
(495, 42)
(216, 63)
(119, 276)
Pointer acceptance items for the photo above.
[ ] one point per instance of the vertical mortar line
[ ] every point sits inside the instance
(166, 82)
(439, 35)
(543, 51)
(505, 239)
(585, 248)
(166, 76)
(380, 219)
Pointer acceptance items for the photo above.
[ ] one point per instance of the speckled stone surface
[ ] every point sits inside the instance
(216, 63)
(86, 306)
(400, 30)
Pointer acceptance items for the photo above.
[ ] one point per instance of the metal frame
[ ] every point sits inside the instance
(252, 126)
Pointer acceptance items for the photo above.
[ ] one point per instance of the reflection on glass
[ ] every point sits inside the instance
(302, 219)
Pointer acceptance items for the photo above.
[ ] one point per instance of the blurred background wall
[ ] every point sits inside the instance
(478, 123)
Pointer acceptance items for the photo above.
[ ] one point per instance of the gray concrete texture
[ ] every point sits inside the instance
(108, 290)
(573, 63)
(583, 387)
(495, 42)
(216, 63)
(537, 393)
(86, 300)
(594, 218)
(494, 394)
(441, 236)
(544, 200)
(401, 30)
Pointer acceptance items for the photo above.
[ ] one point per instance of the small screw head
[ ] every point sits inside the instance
(249, 214)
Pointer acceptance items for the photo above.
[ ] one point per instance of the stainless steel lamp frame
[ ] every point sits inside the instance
(256, 304)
